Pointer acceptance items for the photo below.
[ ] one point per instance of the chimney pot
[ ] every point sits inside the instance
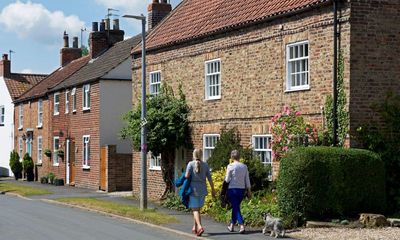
(75, 42)
(5, 57)
(95, 26)
(102, 26)
(66, 40)
(157, 10)
(116, 24)
(155, 1)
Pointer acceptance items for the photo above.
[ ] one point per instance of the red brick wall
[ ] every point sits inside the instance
(253, 78)
(119, 170)
(375, 54)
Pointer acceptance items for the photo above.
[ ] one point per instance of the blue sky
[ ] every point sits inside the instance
(34, 29)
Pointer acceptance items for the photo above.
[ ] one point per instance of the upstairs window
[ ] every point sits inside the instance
(297, 65)
(21, 117)
(66, 102)
(86, 151)
(155, 82)
(86, 97)
(73, 94)
(213, 79)
(209, 142)
(40, 113)
(155, 162)
(2, 115)
(56, 103)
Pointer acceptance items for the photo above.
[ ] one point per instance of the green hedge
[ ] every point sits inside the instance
(326, 182)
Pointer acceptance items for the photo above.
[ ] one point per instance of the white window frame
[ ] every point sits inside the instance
(86, 151)
(266, 151)
(2, 115)
(39, 149)
(66, 102)
(21, 117)
(155, 162)
(56, 109)
(298, 72)
(155, 83)
(73, 94)
(56, 160)
(207, 148)
(20, 147)
(86, 97)
(212, 74)
(40, 113)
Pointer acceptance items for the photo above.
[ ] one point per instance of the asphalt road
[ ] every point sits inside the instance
(22, 219)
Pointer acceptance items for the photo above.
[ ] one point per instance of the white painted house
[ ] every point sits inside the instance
(12, 85)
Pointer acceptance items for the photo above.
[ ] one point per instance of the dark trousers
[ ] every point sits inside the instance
(235, 197)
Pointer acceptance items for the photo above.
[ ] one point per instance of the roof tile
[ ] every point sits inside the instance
(18, 83)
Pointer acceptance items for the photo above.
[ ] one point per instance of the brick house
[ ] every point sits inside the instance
(12, 85)
(33, 108)
(86, 110)
(240, 62)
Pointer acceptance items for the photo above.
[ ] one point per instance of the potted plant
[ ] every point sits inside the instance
(47, 152)
(51, 176)
(60, 152)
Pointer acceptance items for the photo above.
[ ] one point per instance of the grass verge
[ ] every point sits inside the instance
(149, 215)
(22, 190)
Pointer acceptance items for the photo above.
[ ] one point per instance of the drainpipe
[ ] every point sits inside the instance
(335, 74)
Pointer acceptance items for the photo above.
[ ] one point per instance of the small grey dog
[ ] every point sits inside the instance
(275, 225)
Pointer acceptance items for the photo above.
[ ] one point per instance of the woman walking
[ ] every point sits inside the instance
(198, 171)
(237, 175)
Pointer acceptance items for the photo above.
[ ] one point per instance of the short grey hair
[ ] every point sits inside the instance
(235, 154)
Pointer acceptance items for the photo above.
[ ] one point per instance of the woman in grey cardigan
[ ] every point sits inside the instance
(199, 172)
(237, 175)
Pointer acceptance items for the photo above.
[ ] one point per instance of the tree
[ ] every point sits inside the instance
(15, 164)
(167, 129)
(85, 50)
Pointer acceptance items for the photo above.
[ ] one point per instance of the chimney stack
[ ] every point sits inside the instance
(5, 66)
(157, 10)
(68, 54)
(105, 38)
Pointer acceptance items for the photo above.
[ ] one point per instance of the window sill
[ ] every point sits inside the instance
(1, 125)
(56, 114)
(86, 167)
(298, 89)
(39, 126)
(155, 168)
(73, 111)
(56, 165)
(213, 98)
(85, 109)
(20, 128)
(38, 164)
(66, 112)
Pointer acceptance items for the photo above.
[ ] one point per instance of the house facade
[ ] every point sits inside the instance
(239, 64)
(12, 85)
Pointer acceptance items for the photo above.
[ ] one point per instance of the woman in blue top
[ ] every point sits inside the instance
(237, 175)
(198, 171)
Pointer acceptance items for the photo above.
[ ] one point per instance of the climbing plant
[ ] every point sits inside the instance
(342, 112)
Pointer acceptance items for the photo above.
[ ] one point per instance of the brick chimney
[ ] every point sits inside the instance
(101, 40)
(157, 10)
(68, 54)
(5, 66)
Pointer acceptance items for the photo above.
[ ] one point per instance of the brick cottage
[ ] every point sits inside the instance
(240, 62)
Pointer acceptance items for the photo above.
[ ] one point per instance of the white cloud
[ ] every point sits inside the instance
(34, 21)
(27, 70)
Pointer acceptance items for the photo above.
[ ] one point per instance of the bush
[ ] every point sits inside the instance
(43, 179)
(15, 165)
(28, 165)
(51, 176)
(324, 182)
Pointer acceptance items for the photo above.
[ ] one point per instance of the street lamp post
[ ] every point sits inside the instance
(143, 144)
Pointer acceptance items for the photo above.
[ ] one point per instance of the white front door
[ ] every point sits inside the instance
(67, 162)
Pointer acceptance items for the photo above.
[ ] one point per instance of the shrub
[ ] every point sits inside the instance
(320, 182)
(43, 179)
(28, 165)
(51, 176)
(174, 202)
(15, 165)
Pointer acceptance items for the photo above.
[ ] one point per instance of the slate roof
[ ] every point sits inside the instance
(198, 18)
(53, 79)
(18, 83)
(102, 65)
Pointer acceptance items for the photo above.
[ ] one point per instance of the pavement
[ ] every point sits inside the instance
(213, 229)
